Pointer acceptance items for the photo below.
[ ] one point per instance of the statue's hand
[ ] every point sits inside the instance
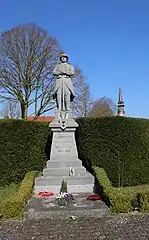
(60, 73)
(56, 73)
(63, 74)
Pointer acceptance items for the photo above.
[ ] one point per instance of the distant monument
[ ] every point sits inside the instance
(120, 105)
(64, 163)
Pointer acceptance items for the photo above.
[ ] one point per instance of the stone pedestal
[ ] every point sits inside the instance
(64, 155)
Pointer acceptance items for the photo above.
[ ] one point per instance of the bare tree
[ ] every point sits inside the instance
(10, 109)
(82, 102)
(27, 57)
(103, 107)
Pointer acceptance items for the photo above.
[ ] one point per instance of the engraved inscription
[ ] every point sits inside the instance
(63, 136)
(63, 150)
(63, 143)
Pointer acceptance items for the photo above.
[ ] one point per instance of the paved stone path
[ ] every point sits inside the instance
(129, 227)
(47, 208)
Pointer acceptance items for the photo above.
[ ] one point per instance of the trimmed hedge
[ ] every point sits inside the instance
(7, 191)
(144, 198)
(13, 207)
(119, 145)
(120, 199)
(23, 146)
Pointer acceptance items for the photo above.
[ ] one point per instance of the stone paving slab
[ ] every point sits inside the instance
(123, 227)
(45, 208)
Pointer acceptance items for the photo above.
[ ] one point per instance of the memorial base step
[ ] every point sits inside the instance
(64, 163)
(71, 188)
(57, 180)
(64, 171)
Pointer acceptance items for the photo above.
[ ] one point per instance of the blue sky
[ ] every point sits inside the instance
(108, 39)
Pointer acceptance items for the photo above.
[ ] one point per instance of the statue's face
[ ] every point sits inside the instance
(64, 59)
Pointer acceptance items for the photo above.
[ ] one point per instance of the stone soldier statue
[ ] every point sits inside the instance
(63, 90)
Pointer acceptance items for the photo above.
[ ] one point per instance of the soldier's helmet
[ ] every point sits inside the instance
(63, 55)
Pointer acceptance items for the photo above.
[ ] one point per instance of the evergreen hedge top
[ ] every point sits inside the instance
(120, 145)
(22, 148)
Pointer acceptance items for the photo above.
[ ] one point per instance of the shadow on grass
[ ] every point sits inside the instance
(98, 189)
(7, 191)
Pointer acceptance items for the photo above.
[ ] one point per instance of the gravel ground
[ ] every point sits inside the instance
(114, 228)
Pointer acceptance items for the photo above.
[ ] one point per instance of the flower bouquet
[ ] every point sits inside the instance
(94, 197)
(64, 198)
(45, 194)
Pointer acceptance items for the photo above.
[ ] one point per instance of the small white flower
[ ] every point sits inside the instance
(58, 196)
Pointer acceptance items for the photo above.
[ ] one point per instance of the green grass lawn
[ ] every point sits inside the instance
(8, 190)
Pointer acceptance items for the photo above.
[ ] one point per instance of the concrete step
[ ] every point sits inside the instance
(71, 188)
(64, 171)
(64, 163)
(53, 181)
(67, 214)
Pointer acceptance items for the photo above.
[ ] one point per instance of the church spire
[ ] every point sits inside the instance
(120, 105)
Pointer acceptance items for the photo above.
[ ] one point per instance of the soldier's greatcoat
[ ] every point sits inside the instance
(67, 71)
